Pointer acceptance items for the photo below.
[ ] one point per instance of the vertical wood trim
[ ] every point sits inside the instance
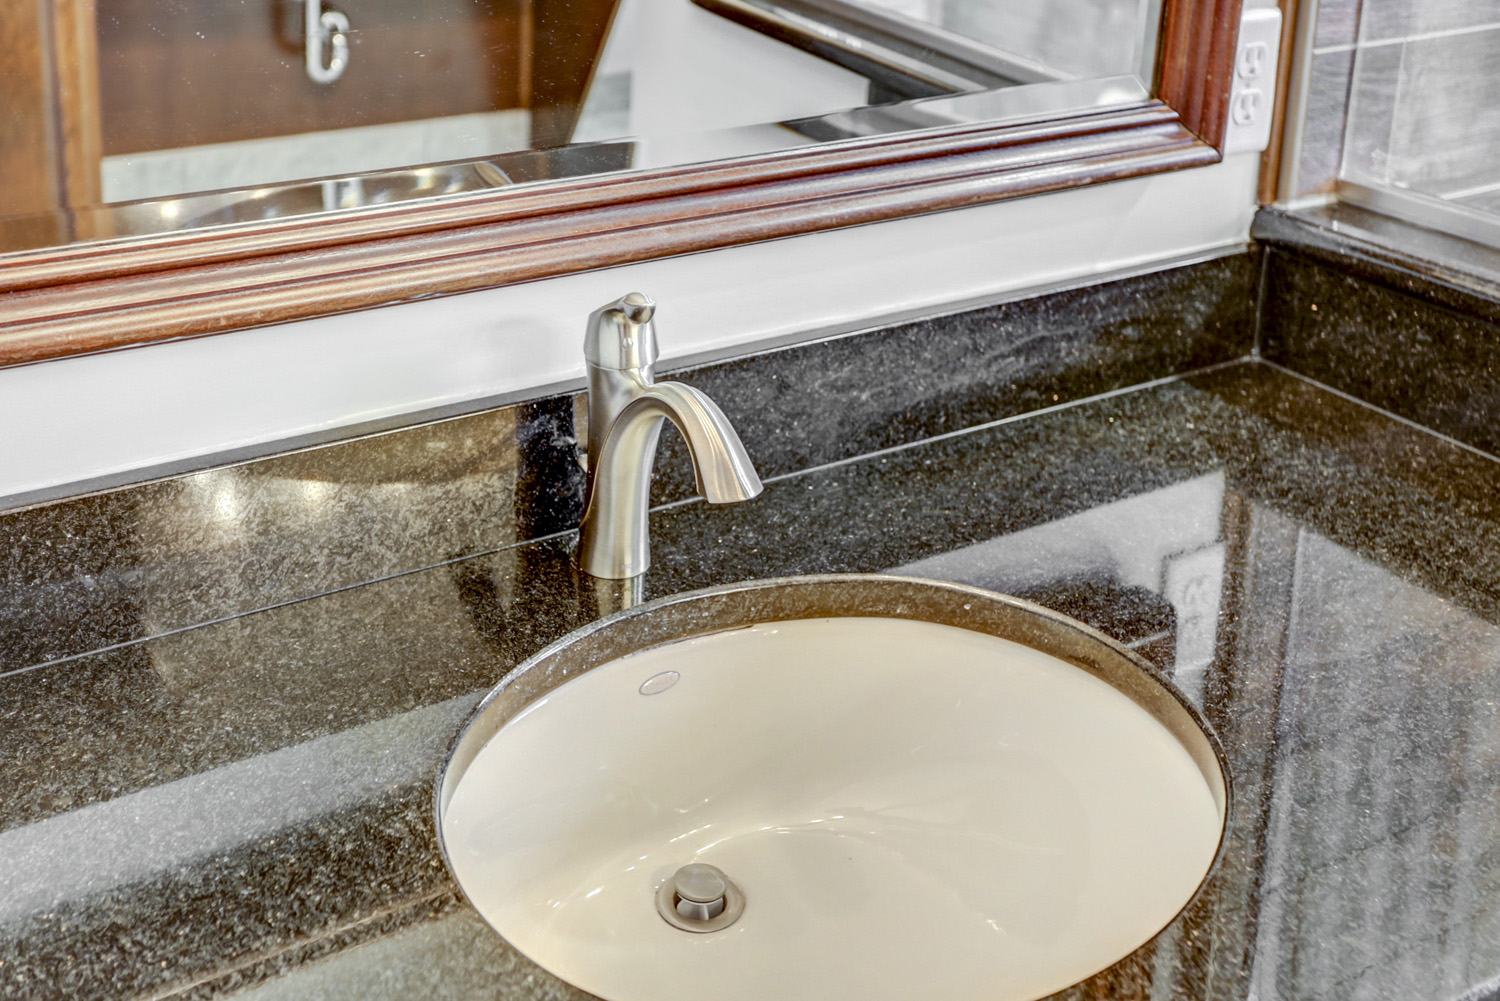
(76, 72)
(1270, 161)
(30, 162)
(526, 31)
(1198, 63)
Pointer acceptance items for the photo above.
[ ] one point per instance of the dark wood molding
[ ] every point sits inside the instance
(90, 297)
(1197, 63)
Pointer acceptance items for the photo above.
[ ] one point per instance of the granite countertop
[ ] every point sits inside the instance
(243, 807)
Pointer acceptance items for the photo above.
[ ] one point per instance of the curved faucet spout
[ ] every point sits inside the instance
(614, 540)
(723, 470)
(626, 408)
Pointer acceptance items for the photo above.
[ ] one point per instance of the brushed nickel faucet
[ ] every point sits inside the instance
(626, 408)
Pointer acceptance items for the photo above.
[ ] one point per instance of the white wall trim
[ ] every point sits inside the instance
(77, 419)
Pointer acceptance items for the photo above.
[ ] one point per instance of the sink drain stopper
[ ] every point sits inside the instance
(700, 898)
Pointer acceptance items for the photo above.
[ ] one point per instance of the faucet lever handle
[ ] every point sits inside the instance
(637, 307)
(621, 334)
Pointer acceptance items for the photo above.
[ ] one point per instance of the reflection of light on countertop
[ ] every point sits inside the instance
(226, 501)
(217, 498)
(316, 492)
(140, 835)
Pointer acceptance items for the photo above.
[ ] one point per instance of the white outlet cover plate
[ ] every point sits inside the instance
(1253, 95)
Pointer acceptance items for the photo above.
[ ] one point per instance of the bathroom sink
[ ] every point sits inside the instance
(832, 787)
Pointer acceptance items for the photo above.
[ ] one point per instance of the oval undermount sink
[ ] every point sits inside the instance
(916, 789)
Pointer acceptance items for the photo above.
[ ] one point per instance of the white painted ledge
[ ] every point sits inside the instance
(77, 419)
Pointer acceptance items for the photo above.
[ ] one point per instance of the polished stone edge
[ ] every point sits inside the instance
(938, 313)
(1388, 329)
(310, 950)
(1447, 270)
(284, 900)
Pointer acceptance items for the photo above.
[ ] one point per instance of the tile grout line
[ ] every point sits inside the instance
(1470, 192)
(1424, 36)
(358, 924)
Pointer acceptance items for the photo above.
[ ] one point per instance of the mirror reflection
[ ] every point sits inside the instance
(128, 117)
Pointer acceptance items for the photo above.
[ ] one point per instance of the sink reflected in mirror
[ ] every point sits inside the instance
(896, 788)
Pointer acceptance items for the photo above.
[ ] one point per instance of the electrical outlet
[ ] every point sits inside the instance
(1251, 96)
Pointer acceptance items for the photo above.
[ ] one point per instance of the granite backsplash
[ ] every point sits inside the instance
(123, 565)
(1400, 317)
(1328, 294)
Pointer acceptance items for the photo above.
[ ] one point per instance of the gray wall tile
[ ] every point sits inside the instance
(1417, 112)
(1445, 133)
(1337, 23)
(1484, 201)
(1372, 96)
(1382, 20)
(1323, 129)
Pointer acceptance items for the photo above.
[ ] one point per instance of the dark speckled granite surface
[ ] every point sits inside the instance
(1402, 317)
(125, 565)
(243, 808)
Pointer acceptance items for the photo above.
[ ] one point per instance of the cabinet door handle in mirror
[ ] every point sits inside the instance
(325, 29)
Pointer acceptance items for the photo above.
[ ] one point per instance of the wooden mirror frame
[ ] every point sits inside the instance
(87, 297)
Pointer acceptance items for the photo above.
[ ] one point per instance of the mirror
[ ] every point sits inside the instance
(179, 169)
(139, 117)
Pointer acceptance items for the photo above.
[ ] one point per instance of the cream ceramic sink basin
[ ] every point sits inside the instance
(919, 790)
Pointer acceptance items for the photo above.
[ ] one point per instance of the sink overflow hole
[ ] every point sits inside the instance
(658, 683)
